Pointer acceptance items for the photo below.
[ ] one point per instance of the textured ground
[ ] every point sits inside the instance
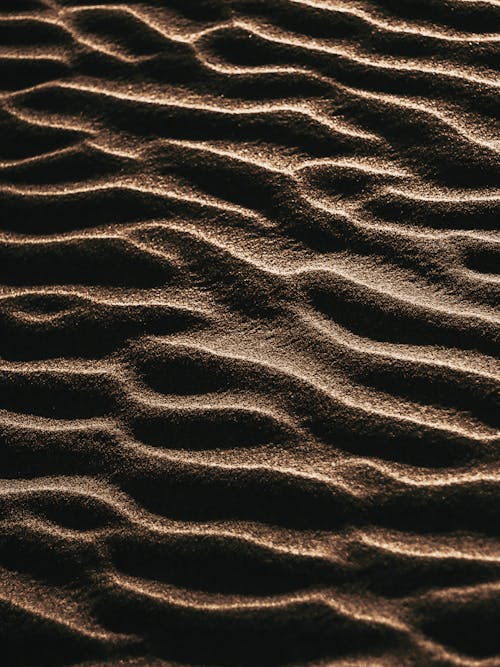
(248, 376)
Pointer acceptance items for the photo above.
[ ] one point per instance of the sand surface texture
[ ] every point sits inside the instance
(249, 278)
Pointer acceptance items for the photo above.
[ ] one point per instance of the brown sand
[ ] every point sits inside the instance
(248, 375)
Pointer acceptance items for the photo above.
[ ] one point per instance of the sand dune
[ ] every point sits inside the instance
(249, 375)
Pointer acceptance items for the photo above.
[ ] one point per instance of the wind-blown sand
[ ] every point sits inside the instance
(249, 332)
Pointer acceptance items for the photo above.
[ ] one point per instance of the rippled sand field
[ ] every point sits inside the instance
(249, 376)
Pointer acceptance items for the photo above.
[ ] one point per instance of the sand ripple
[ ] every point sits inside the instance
(249, 376)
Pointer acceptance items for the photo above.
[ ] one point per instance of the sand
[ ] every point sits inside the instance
(249, 376)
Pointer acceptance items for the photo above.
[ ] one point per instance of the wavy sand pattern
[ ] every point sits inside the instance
(248, 311)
